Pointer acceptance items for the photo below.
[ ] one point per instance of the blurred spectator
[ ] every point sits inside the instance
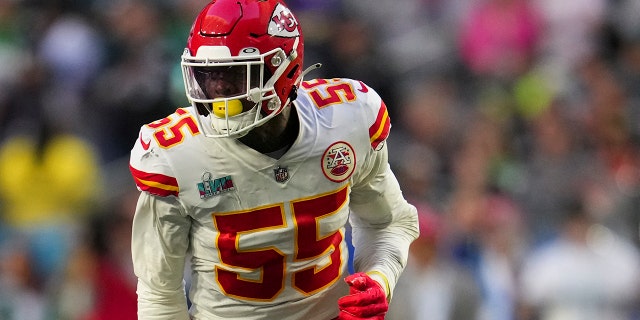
(21, 287)
(46, 187)
(351, 49)
(499, 38)
(433, 286)
(430, 114)
(12, 55)
(488, 233)
(555, 166)
(417, 168)
(134, 89)
(414, 38)
(588, 272)
(319, 17)
(572, 30)
(614, 185)
(71, 50)
(98, 282)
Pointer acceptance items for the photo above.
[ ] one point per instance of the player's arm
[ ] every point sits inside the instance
(159, 246)
(160, 236)
(384, 224)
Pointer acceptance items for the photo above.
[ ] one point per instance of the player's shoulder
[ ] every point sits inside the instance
(149, 160)
(336, 92)
(349, 99)
(349, 88)
(168, 132)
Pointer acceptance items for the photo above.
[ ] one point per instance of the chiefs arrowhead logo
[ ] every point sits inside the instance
(338, 161)
(283, 23)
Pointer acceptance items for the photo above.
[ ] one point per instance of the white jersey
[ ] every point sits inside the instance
(266, 236)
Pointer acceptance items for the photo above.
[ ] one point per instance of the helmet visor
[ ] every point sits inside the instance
(225, 81)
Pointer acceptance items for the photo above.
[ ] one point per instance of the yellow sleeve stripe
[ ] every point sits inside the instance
(158, 185)
(379, 131)
(381, 275)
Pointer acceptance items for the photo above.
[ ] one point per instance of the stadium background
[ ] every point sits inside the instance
(516, 129)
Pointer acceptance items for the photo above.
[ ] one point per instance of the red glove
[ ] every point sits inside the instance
(366, 299)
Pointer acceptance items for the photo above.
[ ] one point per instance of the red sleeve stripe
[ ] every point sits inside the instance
(379, 131)
(155, 183)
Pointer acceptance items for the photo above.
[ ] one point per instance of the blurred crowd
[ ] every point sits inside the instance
(516, 133)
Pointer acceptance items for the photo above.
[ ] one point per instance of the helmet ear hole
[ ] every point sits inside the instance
(293, 71)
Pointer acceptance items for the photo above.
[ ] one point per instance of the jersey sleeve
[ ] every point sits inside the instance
(160, 236)
(384, 224)
(159, 247)
(381, 126)
(149, 168)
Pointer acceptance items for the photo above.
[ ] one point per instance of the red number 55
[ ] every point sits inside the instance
(170, 131)
(327, 92)
(268, 260)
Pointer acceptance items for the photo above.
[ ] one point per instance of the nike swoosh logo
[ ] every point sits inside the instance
(145, 145)
(363, 88)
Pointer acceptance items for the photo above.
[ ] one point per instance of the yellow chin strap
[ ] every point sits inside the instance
(219, 108)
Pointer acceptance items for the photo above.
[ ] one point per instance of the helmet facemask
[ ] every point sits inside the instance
(249, 98)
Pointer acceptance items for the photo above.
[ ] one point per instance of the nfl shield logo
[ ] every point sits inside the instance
(281, 174)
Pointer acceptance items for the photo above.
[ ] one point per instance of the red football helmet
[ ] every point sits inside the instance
(242, 65)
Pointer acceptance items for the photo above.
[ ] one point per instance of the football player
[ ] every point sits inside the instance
(257, 179)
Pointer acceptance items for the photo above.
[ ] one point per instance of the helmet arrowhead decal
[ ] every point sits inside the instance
(283, 23)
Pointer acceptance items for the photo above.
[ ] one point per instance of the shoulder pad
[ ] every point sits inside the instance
(148, 163)
(328, 92)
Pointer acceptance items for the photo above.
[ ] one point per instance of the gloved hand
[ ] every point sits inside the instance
(366, 299)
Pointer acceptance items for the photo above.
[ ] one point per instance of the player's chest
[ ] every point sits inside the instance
(227, 181)
(279, 200)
